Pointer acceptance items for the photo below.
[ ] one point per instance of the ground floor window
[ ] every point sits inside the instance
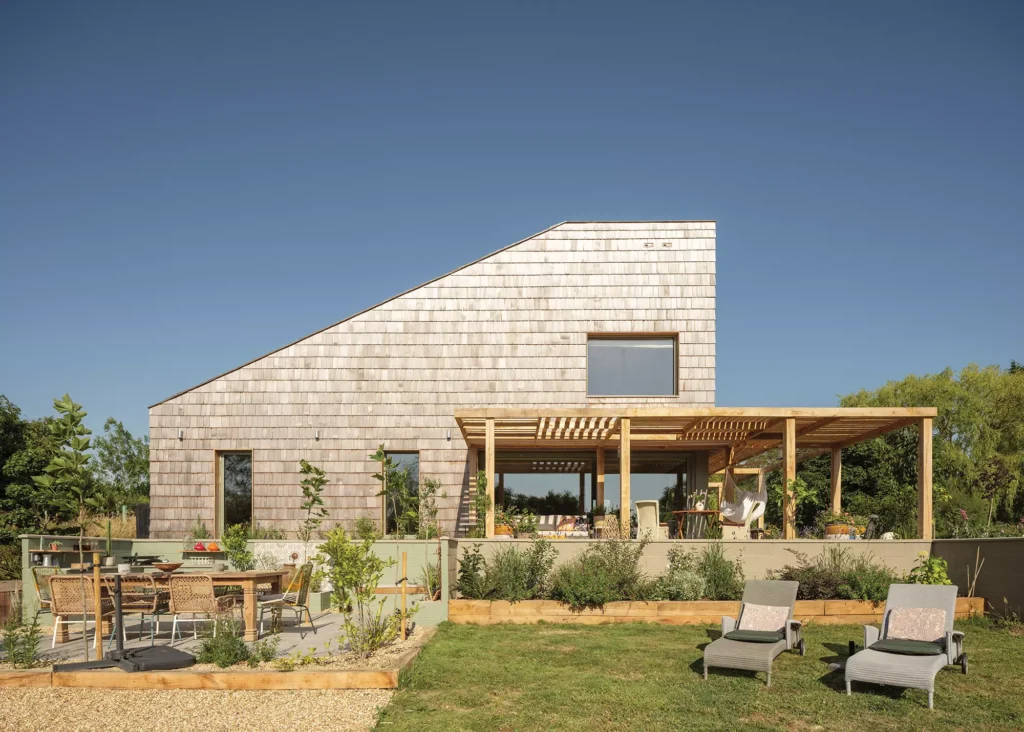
(401, 492)
(234, 478)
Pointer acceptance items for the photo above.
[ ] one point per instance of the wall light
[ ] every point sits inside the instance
(181, 435)
(449, 435)
(316, 435)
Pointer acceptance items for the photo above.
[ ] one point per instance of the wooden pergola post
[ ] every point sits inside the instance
(489, 471)
(599, 481)
(788, 476)
(624, 468)
(836, 480)
(924, 478)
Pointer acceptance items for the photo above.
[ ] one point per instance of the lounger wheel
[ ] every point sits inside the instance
(802, 647)
(963, 663)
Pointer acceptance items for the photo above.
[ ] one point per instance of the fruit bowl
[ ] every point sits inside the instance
(167, 566)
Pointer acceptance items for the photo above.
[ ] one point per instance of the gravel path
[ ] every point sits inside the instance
(84, 710)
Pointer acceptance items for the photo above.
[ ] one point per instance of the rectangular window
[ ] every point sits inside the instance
(403, 483)
(235, 489)
(631, 366)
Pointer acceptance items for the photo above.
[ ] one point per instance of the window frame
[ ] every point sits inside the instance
(652, 336)
(219, 514)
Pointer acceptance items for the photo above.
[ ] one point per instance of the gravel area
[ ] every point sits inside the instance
(185, 711)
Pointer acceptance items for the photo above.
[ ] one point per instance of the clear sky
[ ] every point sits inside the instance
(186, 186)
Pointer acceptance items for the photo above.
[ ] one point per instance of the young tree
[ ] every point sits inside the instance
(68, 478)
(312, 487)
(994, 482)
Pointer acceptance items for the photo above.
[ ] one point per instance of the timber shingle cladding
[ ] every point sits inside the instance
(508, 330)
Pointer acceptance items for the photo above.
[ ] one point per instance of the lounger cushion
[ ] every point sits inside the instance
(917, 623)
(908, 647)
(754, 636)
(763, 617)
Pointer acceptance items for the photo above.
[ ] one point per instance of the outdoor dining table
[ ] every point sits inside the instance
(246, 580)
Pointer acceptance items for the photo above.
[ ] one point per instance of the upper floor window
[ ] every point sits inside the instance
(235, 490)
(631, 366)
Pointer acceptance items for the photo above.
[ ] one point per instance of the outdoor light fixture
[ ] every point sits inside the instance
(316, 435)
(449, 434)
(181, 435)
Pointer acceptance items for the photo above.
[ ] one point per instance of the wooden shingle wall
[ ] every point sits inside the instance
(509, 330)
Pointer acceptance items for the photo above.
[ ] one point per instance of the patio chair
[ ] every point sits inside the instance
(916, 640)
(647, 521)
(193, 595)
(765, 629)
(66, 601)
(43, 588)
(737, 515)
(295, 598)
(141, 596)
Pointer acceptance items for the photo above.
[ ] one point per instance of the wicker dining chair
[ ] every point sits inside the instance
(40, 575)
(193, 594)
(295, 598)
(141, 596)
(66, 601)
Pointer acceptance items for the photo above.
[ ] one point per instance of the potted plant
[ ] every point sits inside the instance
(524, 524)
(503, 521)
(837, 526)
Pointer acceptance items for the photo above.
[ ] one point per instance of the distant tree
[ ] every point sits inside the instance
(121, 470)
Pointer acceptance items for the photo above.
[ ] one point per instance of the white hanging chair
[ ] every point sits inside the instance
(746, 506)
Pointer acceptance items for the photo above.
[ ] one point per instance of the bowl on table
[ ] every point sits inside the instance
(167, 566)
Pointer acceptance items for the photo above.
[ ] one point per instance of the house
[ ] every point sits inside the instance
(586, 348)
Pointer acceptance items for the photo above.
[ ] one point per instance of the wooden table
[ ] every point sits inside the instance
(246, 580)
(681, 518)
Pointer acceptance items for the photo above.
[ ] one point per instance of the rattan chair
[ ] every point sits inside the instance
(43, 588)
(141, 596)
(193, 594)
(295, 598)
(66, 600)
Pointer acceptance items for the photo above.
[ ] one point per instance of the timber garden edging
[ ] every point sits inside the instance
(489, 612)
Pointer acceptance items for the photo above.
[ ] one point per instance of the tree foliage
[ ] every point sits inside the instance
(122, 468)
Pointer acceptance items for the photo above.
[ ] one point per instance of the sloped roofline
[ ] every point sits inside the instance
(413, 289)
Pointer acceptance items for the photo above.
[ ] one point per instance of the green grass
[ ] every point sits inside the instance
(647, 677)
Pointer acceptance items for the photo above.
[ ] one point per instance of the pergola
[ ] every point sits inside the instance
(729, 435)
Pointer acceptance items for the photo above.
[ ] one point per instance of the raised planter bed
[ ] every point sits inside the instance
(384, 678)
(489, 612)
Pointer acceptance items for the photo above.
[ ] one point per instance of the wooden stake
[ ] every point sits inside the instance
(405, 579)
(97, 607)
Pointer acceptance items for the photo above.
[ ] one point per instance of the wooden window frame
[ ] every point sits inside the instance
(654, 335)
(218, 489)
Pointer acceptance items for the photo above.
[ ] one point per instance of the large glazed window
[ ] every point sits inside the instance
(235, 470)
(631, 366)
(406, 475)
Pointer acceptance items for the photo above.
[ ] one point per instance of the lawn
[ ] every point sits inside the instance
(640, 676)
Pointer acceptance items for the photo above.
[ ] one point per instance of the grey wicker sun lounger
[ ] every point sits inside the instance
(910, 664)
(754, 650)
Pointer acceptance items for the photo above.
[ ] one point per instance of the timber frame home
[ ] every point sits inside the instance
(587, 348)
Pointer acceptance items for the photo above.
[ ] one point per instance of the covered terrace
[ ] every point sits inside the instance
(727, 436)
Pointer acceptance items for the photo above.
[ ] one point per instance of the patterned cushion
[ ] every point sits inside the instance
(763, 617)
(917, 623)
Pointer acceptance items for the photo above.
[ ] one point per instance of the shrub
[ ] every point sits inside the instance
(838, 574)
(929, 571)
(515, 575)
(681, 584)
(430, 578)
(226, 648)
(366, 529)
(723, 578)
(607, 572)
(21, 641)
(235, 544)
(471, 574)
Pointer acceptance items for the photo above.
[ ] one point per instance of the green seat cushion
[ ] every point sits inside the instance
(754, 636)
(908, 647)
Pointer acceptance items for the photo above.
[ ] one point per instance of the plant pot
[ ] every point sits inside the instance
(503, 530)
(109, 561)
(124, 568)
(837, 532)
(524, 534)
(54, 546)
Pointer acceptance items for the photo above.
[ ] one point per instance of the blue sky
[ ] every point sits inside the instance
(186, 186)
